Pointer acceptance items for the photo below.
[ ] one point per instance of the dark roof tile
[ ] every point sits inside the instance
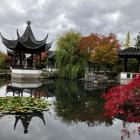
(129, 52)
(27, 40)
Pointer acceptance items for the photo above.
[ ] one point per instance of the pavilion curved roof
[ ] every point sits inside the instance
(11, 44)
(129, 52)
(27, 41)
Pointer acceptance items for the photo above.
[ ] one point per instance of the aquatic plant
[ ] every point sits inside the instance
(22, 105)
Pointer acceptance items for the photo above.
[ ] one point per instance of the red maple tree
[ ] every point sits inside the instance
(123, 102)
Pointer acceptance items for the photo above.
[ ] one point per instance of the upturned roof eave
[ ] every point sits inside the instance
(129, 52)
(27, 41)
(10, 44)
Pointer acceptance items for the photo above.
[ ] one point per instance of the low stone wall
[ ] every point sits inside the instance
(26, 73)
(49, 73)
(90, 86)
(95, 78)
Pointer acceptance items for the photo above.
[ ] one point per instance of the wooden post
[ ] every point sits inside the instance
(31, 60)
(138, 64)
(22, 60)
(36, 64)
(39, 59)
(31, 93)
(21, 93)
(14, 60)
(125, 64)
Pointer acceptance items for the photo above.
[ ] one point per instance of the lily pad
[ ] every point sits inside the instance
(22, 104)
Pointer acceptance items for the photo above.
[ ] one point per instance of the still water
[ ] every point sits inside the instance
(75, 113)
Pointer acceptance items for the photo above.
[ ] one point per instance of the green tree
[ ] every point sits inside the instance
(138, 40)
(2, 59)
(127, 43)
(69, 61)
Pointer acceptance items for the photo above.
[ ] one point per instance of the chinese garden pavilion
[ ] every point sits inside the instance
(25, 53)
(130, 53)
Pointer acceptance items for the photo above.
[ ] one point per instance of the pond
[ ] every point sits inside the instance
(76, 112)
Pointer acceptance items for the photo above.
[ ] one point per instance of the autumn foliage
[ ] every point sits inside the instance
(99, 48)
(124, 101)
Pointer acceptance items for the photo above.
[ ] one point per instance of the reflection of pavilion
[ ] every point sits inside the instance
(26, 119)
(25, 88)
(22, 88)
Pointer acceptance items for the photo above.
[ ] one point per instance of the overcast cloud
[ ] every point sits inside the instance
(56, 16)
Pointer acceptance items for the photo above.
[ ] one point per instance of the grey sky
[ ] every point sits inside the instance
(56, 16)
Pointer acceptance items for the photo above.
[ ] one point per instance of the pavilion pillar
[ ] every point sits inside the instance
(31, 93)
(138, 64)
(36, 61)
(22, 94)
(32, 60)
(125, 64)
(21, 61)
(14, 60)
(39, 59)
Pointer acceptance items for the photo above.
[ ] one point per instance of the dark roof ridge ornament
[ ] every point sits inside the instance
(28, 23)
(46, 36)
(18, 34)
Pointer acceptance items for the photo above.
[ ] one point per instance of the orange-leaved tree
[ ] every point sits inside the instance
(100, 49)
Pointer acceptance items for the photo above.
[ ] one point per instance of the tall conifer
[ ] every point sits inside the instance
(138, 40)
(127, 43)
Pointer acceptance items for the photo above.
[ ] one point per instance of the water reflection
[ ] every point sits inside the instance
(127, 131)
(27, 88)
(74, 104)
(75, 113)
(26, 119)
